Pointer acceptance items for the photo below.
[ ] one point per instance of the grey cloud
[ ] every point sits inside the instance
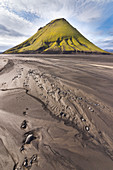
(9, 32)
(4, 47)
(106, 44)
(110, 33)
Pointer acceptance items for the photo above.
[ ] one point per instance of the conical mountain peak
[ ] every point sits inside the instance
(58, 36)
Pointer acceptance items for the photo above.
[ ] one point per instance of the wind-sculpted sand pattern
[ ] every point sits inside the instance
(46, 123)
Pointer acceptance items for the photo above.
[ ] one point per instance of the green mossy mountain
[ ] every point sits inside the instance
(58, 36)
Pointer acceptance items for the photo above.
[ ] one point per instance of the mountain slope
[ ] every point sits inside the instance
(56, 37)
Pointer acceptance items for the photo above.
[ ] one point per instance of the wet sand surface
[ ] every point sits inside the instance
(56, 112)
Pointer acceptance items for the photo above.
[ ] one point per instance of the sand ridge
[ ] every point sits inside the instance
(103, 66)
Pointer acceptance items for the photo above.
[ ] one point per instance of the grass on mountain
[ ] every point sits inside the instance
(57, 36)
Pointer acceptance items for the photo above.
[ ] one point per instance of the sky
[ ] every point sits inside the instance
(20, 19)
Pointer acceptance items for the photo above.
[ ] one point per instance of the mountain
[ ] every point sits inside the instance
(109, 50)
(58, 36)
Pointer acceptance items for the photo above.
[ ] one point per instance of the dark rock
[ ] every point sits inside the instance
(82, 119)
(87, 128)
(64, 114)
(29, 138)
(33, 159)
(61, 113)
(24, 113)
(25, 163)
(15, 166)
(22, 148)
(24, 124)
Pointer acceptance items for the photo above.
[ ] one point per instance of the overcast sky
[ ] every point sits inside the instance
(19, 19)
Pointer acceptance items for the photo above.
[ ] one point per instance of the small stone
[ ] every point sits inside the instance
(91, 109)
(34, 157)
(24, 113)
(82, 119)
(87, 128)
(22, 148)
(29, 138)
(79, 98)
(24, 124)
(64, 115)
(96, 104)
(25, 163)
(61, 113)
(15, 166)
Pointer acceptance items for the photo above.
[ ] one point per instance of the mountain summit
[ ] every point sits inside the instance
(58, 36)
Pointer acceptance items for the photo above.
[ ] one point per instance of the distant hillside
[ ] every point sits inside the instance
(58, 36)
(109, 50)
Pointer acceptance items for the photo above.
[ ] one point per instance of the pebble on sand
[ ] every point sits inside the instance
(87, 128)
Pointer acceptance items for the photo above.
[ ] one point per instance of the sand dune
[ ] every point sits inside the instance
(55, 113)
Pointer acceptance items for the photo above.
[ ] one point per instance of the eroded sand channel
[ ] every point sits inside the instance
(48, 123)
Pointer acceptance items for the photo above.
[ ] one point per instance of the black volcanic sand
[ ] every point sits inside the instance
(56, 112)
